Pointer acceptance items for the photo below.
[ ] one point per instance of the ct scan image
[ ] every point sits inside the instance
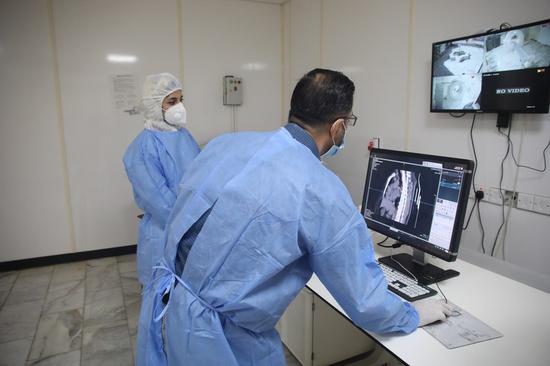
(400, 194)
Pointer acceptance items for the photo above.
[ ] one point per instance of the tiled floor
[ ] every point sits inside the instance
(80, 313)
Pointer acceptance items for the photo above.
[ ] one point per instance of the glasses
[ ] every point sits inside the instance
(350, 121)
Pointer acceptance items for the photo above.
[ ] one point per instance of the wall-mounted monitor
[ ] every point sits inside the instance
(505, 70)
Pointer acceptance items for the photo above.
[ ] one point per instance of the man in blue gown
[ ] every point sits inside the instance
(257, 214)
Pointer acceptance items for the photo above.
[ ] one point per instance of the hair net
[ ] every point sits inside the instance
(155, 89)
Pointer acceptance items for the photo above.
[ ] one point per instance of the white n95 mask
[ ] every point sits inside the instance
(176, 115)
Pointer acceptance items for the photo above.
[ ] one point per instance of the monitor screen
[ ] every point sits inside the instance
(419, 200)
(499, 71)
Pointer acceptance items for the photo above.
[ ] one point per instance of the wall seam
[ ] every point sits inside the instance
(407, 127)
(283, 55)
(180, 41)
(321, 31)
(61, 128)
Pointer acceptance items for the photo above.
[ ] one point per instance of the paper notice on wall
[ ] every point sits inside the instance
(126, 93)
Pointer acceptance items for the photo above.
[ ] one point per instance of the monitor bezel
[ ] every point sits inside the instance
(481, 110)
(416, 243)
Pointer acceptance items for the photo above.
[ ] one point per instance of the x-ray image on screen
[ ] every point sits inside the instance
(401, 197)
(518, 49)
(400, 194)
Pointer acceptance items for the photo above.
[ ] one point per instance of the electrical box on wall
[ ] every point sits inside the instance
(232, 90)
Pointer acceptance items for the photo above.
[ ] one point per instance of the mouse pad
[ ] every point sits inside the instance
(461, 329)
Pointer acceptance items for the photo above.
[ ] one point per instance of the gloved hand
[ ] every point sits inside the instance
(430, 310)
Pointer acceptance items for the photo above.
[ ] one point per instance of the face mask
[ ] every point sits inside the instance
(334, 149)
(176, 115)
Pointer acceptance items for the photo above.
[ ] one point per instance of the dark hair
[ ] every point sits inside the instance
(321, 96)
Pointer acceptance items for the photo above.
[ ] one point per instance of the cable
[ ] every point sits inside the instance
(457, 115)
(470, 215)
(394, 245)
(500, 192)
(526, 166)
(475, 154)
(441, 292)
(383, 241)
(482, 229)
(400, 265)
(474, 183)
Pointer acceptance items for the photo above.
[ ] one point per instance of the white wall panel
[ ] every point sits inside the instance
(367, 40)
(33, 210)
(239, 38)
(305, 37)
(96, 134)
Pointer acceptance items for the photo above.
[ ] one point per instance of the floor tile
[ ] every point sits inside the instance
(101, 262)
(64, 296)
(126, 263)
(102, 277)
(19, 321)
(290, 359)
(7, 279)
(64, 359)
(57, 333)
(14, 353)
(28, 288)
(124, 267)
(3, 297)
(133, 341)
(130, 283)
(37, 271)
(132, 304)
(103, 307)
(68, 272)
(107, 345)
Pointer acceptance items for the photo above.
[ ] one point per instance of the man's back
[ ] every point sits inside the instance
(277, 214)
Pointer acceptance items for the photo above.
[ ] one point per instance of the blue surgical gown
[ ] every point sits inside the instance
(155, 162)
(277, 215)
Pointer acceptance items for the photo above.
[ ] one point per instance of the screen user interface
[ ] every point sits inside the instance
(414, 199)
(504, 70)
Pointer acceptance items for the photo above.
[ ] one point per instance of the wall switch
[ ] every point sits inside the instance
(541, 204)
(524, 201)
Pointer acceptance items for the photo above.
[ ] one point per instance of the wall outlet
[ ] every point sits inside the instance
(492, 195)
(525, 201)
(541, 204)
(374, 143)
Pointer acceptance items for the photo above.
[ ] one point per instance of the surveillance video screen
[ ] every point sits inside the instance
(491, 72)
(414, 197)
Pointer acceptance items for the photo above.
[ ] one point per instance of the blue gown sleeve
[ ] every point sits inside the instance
(150, 186)
(348, 269)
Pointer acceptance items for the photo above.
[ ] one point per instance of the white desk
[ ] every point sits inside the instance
(521, 313)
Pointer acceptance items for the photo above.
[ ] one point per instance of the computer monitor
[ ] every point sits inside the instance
(419, 200)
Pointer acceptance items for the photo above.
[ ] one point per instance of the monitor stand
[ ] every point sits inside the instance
(426, 273)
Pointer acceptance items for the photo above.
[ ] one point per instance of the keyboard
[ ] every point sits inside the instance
(404, 286)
